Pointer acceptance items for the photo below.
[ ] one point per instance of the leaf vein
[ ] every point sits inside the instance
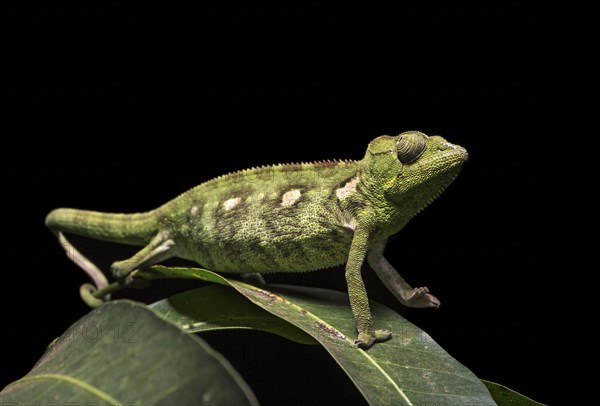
(74, 381)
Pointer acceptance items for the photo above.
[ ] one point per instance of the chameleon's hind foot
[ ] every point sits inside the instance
(120, 269)
(367, 339)
(159, 249)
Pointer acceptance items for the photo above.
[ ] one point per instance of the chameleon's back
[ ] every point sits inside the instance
(269, 219)
(295, 217)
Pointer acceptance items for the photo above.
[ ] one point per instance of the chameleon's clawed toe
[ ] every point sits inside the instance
(367, 339)
(120, 269)
(364, 340)
(422, 298)
(382, 335)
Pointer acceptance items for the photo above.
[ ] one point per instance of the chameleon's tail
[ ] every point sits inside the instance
(134, 229)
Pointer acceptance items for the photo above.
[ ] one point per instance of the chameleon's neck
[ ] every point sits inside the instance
(383, 212)
(391, 215)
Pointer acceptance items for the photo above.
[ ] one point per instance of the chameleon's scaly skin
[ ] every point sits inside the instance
(290, 218)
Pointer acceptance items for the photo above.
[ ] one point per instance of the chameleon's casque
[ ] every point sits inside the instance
(291, 218)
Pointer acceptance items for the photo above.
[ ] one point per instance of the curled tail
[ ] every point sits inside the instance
(134, 229)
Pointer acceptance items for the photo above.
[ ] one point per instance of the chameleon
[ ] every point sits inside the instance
(292, 218)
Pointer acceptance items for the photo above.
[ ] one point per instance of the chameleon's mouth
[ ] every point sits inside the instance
(464, 153)
(449, 159)
(456, 149)
(457, 153)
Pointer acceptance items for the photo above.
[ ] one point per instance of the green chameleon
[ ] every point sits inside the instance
(291, 218)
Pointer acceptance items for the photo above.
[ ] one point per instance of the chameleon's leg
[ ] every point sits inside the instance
(407, 295)
(359, 301)
(161, 247)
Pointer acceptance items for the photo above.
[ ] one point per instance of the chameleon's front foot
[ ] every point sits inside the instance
(421, 297)
(125, 276)
(367, 339)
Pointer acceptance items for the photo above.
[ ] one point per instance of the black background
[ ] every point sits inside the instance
(115, 107)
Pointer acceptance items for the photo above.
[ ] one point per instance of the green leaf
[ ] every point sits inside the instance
(508, 397)
(124, 354)
(410, 369)
(217, 307)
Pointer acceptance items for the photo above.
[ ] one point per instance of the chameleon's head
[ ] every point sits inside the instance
(412, 168)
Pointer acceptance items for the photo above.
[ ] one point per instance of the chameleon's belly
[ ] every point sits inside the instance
(262, 254)
(283, 239)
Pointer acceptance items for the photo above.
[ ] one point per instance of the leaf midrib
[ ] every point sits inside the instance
(74, 381)
(389, 378)
(316, 318)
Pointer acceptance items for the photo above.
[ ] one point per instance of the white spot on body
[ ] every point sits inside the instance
(343, 192)
(350, 224)
(194, 210)
(229, 204)
(290, 197)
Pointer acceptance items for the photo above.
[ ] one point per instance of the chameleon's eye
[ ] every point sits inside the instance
(410, 146)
